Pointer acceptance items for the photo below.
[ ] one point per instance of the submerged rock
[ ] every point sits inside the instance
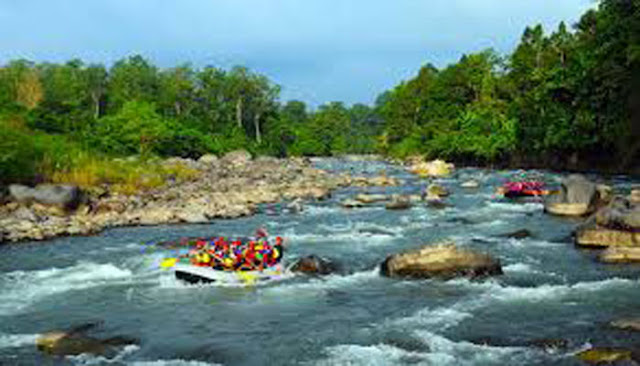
(371, 198)
(75, 342)
(350, 203)
(518, 234)
(604, 355)
(443, 260)
(314, 264)
(399, 203)
(577, 197)
(435, 192)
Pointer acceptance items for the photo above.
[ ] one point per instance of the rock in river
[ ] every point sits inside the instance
(399, 203)
(75, 342)
(620, 255)
(443, 260)
(519, 234)
(604, 355)
(577, 197)
(371, 198)
(314, 264)
(351, 203)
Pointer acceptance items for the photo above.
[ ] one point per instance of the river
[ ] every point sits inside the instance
(549, 289)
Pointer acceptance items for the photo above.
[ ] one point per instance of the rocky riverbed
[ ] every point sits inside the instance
(229, 187)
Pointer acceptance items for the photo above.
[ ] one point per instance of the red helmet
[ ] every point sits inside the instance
(261, 233)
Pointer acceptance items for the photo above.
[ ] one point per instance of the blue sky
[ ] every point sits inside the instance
(317, 50)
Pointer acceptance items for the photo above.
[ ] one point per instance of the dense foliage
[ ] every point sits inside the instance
(134, 108)
(562, 99)
(568, 97)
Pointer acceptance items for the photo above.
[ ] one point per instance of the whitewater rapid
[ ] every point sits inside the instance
(353, 317)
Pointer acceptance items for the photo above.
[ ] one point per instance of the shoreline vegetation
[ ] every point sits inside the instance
(565, 100)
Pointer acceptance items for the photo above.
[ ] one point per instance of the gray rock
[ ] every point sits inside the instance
(66, 196)
(577, 197)
(21, 193)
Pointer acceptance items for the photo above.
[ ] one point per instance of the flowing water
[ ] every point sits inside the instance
(550, 289)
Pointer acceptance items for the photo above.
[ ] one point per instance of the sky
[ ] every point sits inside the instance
(316, 50)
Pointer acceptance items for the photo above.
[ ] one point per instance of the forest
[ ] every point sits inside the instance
(564, 99)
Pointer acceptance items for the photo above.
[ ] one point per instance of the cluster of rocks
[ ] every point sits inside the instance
(228, 187)
(432, 195)
(613, 221)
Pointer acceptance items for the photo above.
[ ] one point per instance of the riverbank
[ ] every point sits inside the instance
(220, 188)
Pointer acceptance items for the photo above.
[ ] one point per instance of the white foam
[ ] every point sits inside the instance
(176, 362)
(439, 318)
(519, 268)
(21, 289)
(515, 207)
(443, 351)
(494, 292)
(446, 351)
(380, 354)
(17, 340)
(333, 281)
(88, 359)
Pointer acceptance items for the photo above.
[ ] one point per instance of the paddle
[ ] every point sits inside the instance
(169, 262)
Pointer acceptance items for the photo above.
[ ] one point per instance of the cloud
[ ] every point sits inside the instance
(318, 50)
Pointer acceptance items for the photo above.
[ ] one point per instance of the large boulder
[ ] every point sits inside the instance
(314, 264)
(444, 260)
(619, 214)
(620, 255)
(616, 224)
(577, 197)
(66, 196)
(597, 237)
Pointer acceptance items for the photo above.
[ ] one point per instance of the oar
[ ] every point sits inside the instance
(169, 262)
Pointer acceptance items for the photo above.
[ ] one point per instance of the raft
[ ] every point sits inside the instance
(524, 189)
(197, 274)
